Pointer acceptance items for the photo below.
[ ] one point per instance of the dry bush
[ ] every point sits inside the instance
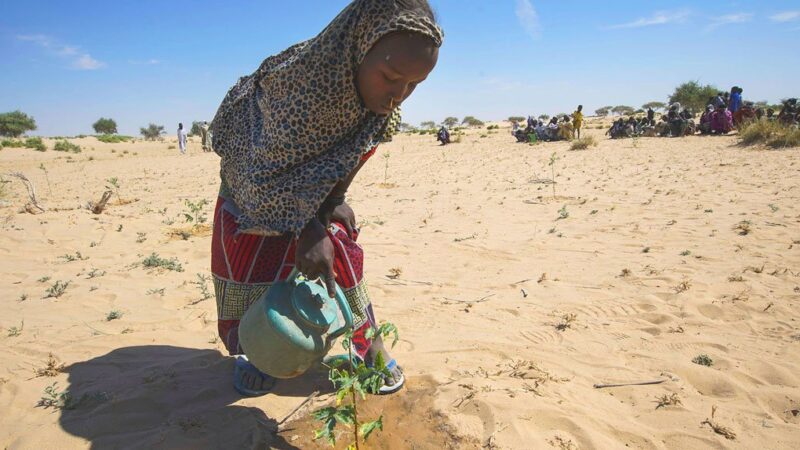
(771, 133)
(583, 143)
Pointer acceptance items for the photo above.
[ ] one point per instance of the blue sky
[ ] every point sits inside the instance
(69, 63)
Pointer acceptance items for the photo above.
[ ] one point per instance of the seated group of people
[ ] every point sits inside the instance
(556, 129)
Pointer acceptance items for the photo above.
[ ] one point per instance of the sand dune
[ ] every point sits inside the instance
(513, 299)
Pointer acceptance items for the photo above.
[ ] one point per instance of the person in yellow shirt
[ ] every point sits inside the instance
(577, 120)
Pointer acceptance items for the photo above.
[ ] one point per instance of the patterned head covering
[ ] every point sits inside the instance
(291, 130)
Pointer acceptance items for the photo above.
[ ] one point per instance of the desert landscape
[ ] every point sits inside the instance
(523, 278)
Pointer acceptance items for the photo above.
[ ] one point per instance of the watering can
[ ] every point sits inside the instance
(288, 329)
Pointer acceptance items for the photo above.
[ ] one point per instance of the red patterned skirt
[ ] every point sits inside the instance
(245, 266)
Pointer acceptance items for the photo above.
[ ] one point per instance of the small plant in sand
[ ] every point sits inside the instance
(686, 253)
(386, 157)
(44, 279)
(553, 159)
(140, 237)
(646, 250)
(202, 284)
(566, 321)
(773, 207)
(683, 286)
(395, 273)
(112, 184)
(155, 291)
(52, 369)
(55, 398)
(94, 273)
(583, 143)
(743, 228)
(735, 278)
(69, 257)
(23, 297)
(668, 400)
(57, 289)
(113, 315)
(719, 429)
(16, 331)
(357, 380)
(703, 360)
(196, 213)
(154, 261)
(563, 213)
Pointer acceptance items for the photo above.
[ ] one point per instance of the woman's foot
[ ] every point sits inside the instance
(248, 380)
(395, 380)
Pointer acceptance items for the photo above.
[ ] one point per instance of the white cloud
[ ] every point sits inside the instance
(528, 18)
(80, 59)
(785, 16)
(658, 18)
(728, 19)
(147, 62)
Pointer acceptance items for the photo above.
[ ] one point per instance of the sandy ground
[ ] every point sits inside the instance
(508, 313)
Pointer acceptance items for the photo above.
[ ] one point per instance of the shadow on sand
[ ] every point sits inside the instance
(159, 396)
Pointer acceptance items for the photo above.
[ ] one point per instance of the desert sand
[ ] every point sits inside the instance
(513, 300)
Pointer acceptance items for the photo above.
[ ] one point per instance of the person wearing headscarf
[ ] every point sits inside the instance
(721, 121)
(735, 99)
(577, 120)
(181, 139)
(292, 136)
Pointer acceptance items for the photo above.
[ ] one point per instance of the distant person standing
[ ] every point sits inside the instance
(182, 138)
(651, 117)
(204, 137)
(736, 99)
(577, 120)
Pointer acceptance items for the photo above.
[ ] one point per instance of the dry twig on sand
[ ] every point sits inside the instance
(98, 207)
(635, 383)
(719, 429)
(32, 206)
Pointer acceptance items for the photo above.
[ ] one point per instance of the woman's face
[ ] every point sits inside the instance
(393, 68)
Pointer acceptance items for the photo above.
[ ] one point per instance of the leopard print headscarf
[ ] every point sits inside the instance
(291, 130)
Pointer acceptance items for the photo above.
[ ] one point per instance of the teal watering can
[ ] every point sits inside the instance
(287, 330)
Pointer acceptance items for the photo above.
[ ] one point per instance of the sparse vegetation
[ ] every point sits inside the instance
(563, 213)
(743, 228)
(57, 289)
(703, 360)
(51, 369)
(668, 400)
(683, 286)
(566, 321)
(583, 143)
(196, 214)
(16, 331)
(719, 429)
(693, 95)
(113, 315)
(66, 146)
(154, 261)
(113, 138)
(770, 133)
(202, 284)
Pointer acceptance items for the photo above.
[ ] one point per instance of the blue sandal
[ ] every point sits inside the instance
(243, 366)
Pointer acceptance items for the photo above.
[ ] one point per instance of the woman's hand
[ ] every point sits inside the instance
(344, 214)
(314, 255)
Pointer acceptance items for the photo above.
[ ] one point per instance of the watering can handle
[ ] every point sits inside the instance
(344, 306)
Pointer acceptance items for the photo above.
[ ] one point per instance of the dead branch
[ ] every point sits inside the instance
(638, 383)
(98, 207)
(32, 206)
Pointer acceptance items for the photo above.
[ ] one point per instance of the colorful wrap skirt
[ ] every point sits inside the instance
(244, 266)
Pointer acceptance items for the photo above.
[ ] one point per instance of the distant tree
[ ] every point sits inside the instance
(602, 112)
(693, 95)
(195, 130)
(639, 111)
(472, 122)
(105, 126)
(543, 117)
(406, 127)
(16, 123)
(655, 105)
(428, 125)
(622, 110)
(152, 132)
(450, 122)
(516, 119)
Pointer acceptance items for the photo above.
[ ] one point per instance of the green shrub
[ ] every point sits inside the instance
(66, 146)
(493, 127)
(113, 138)
(11, 143)
(35, 143)
(693, 95)
(770, 133)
